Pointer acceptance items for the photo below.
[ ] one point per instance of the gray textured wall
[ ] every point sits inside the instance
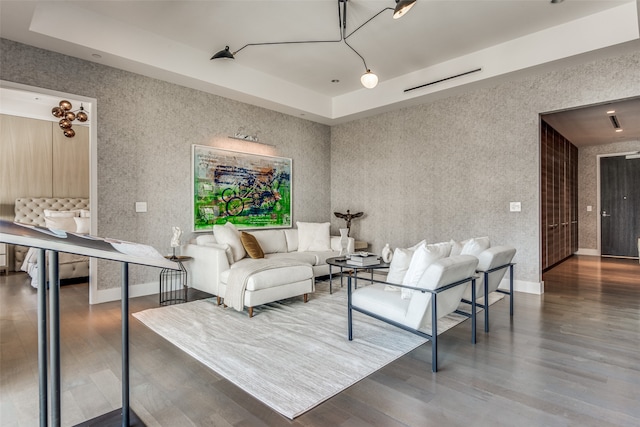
(442, 170)
(588, 188)
(145, 131)
(448, 169)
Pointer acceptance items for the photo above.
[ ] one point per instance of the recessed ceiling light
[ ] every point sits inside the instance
(618, 130)
(611, 112)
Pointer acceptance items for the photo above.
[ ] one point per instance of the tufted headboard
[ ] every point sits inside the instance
(30, 210)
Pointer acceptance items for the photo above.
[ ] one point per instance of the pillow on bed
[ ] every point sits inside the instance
(60, 214)
(83, 225)
(60, 223)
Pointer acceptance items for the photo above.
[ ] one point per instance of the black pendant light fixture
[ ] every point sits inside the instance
(368, 79)
(402, 7)
(225, 53)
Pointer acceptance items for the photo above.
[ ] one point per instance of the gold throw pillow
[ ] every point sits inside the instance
(251, 245)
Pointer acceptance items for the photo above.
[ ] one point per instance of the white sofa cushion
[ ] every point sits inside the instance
(271, 241)
(272, 278)
(310, 258)
(229, 234)
(291, 235)
(314, 236)
(374, 297)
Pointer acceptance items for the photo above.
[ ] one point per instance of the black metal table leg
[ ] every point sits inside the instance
(54, 341)
(42, 336)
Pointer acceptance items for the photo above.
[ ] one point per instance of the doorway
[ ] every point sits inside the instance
(619, 206)
(35, 103)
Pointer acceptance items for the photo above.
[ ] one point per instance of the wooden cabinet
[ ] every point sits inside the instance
(558, 196)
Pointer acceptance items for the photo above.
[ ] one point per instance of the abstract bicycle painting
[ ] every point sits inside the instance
(248, 190)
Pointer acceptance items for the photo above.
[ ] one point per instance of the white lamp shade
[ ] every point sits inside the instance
(369, 80)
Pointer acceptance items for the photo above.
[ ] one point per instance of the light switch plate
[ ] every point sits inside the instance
(515, 206)
(141, 206)
(589, 208)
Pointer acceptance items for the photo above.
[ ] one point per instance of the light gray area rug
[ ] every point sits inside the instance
(291, 356)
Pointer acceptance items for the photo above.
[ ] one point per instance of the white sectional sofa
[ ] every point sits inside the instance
(216, 255)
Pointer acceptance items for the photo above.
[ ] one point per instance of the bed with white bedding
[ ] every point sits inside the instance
(68, 214)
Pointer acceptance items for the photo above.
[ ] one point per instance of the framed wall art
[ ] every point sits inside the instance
(248, 190)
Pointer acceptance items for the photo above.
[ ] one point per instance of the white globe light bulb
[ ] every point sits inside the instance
(369, 80)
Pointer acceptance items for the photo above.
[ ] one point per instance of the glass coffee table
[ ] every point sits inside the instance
(341, 263)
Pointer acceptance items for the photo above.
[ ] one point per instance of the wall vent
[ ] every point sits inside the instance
(443, 80)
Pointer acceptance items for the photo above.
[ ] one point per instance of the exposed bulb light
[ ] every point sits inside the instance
(369, 80)
(618, 130)
(402, 7)
(611, 112)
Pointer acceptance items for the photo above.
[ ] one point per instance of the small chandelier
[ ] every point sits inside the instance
(66, 116)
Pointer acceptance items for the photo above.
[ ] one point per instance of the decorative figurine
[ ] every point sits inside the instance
(175, 239)
(348, 217)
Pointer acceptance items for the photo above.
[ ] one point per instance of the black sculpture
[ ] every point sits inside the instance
(348, 217)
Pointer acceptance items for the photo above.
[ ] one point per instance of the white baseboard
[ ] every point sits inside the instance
(114, 294)
(536, 288)
(589, 252)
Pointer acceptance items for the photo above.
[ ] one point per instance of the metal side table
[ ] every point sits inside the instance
(174, 283)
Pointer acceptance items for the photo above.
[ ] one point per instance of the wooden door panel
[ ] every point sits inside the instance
(620, 206)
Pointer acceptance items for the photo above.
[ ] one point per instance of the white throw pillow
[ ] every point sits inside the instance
(314, 236)
(60, 223)
(83, 225)
(423, 257)
(456, 247)
(475, 246)
(443, 247)
(398, 267)
(60, 214)
(228, 234)
(417, 245)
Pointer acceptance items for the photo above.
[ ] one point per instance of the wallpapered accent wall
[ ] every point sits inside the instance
(145, 131)
(443, 170)
(449, 169)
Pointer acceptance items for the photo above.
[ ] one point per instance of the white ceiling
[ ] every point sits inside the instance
(173, 41)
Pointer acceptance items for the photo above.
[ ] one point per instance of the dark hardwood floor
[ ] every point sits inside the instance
(570, 357)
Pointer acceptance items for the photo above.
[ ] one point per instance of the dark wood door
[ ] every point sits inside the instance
(620, 206)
